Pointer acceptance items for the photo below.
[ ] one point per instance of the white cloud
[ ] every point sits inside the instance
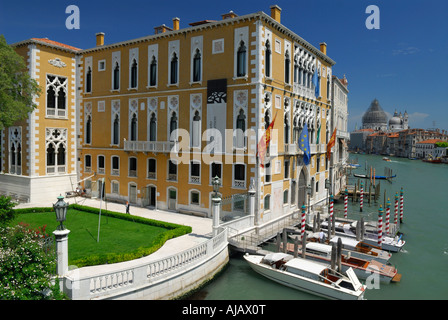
(405, 51)
(417, 119)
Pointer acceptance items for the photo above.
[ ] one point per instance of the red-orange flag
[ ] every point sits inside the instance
(331, 143)
(264, 141)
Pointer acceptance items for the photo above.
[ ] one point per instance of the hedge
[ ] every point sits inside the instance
(174, 230)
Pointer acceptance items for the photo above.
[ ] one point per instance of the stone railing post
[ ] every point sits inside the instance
(252, 213)
(62, 254)
(216, 211)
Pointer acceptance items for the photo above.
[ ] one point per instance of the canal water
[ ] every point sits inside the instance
(423, 263)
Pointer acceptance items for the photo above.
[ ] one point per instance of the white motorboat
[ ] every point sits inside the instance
(363, 250)
(357, 249)
(308, 276)
(371, 237)
(363, 269)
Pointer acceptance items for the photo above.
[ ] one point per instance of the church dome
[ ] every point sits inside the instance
(395, 120)
(374, 115)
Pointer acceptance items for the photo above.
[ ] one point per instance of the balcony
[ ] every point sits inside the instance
(195, 179)
(342, 134)
(293, 149)
(150, 146)
(55, 169)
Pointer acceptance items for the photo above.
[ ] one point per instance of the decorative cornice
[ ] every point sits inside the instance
(254, 16)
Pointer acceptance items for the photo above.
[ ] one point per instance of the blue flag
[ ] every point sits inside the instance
(316, 84)
(304, 145)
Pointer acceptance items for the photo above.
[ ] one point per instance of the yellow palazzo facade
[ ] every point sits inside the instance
(220, 84)
(39, 154)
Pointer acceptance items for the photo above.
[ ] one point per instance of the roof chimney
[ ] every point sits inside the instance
(162, 29)
(100, 39)
(229, 15)
(323, 47)
(176, 23)
(276, 12)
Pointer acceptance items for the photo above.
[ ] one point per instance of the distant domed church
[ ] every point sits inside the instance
(398, 122)
(375, 118)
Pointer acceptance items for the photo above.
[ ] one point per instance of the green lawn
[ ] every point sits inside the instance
(119, 239)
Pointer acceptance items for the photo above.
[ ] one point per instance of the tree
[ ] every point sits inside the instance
(17, 88)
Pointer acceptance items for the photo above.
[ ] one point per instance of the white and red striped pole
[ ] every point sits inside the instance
(380, 226)
(302, 231)
(401, 205)
(387, 215)
(331, 207)
(396, 209)
(345, 203)
(361, 198)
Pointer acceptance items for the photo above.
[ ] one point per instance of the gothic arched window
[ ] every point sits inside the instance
(197, 66)
(116, 80)
(240, 129)
(173, 125)
(174, 65)
(153, 128)
(241, 60)
(287, 66)
(153, 72)
(134, 74)
(267, 59)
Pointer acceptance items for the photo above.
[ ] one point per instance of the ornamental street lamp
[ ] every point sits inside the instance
(61, 235)
(60, 208)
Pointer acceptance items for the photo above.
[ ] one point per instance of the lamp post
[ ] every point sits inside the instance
(60, 208)
(216, 204)
(61, 235)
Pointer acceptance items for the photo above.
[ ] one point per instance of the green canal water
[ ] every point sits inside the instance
(423, 263)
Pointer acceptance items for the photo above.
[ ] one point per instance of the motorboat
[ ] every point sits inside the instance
(363, 269)
(308, 276)
(356, 248)
(365, 176)
(392, 244)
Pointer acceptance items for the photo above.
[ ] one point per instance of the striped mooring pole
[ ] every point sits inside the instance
(302, 231)
(401, 205)
(331, 207)
(345, 203)
(361, 198)
(380, 225)
(396, 209)
(387, 215)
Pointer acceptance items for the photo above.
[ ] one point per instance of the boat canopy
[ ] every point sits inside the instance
(305, 265)
(346, 241)
(277, 256)
(324, 248)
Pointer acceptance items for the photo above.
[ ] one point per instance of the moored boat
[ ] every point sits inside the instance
(392, 244)
(308, 276)
(365, 176)
(355, 248)
(363, 269)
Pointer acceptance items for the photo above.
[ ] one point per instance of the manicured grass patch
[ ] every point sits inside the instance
(122, 237)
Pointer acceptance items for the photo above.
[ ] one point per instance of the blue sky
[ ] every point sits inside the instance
(403, 64)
